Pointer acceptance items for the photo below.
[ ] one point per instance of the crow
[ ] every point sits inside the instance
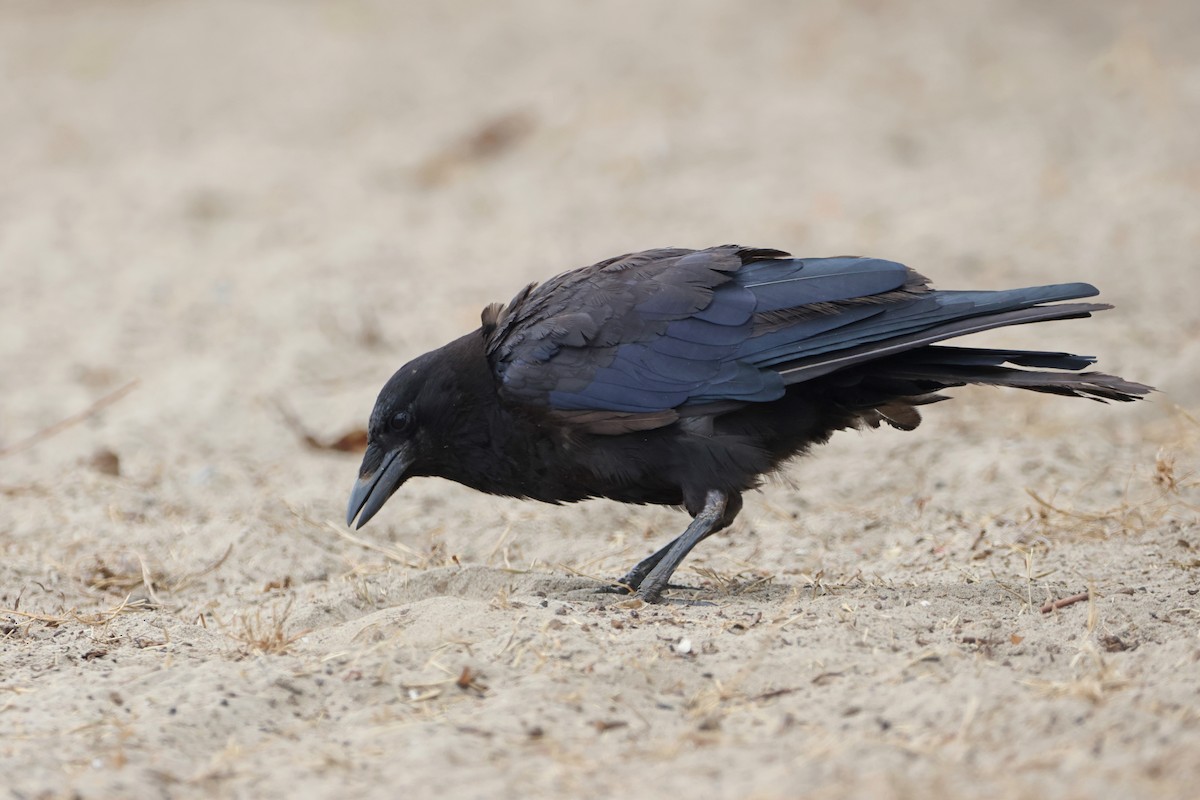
(683, 377)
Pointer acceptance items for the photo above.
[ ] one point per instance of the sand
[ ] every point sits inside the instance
(215, 214)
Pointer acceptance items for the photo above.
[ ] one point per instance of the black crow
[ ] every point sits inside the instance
(682, 377)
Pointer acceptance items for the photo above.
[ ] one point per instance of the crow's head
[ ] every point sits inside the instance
(414, 408)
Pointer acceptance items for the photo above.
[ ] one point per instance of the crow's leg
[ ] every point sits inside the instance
(718, 511)
(633, 579)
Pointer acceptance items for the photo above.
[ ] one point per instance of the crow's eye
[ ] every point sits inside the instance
(401, 422)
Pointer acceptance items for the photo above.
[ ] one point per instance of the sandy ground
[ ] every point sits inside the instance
(240, 206)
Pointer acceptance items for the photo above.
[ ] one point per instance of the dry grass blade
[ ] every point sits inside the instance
(94, 619)
(1128, 517)
(580, 573)
(191, 577)
(734, 584)
(1094, 687)
(120, 572)
(267, 635)
(114, 571)
(400, 555)
(74, 419)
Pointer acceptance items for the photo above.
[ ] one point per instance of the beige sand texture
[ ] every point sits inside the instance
(240, 208)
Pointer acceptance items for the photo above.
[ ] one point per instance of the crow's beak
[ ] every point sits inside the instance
(378, 479)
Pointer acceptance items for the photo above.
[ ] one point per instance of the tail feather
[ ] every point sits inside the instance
(815, 366)
(980, 357)
(1092, 385)
(929, 369)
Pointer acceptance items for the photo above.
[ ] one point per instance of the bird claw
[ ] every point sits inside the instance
(616, 588)
(647, 594)
(657, 598)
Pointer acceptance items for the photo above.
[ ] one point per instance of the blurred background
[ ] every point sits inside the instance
(213, 196)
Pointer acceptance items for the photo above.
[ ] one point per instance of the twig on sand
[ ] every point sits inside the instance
(74, 419)
(354, 441)
(1054, 605)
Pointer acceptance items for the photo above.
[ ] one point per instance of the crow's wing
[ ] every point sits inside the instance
(649, 332)
(624, 344)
